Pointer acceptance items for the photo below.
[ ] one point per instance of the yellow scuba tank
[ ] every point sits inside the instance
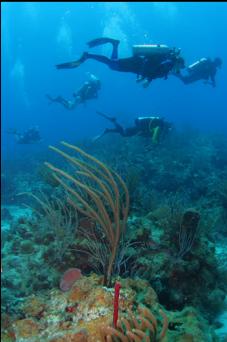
(155, 131)
(155, 135)
(150, 49)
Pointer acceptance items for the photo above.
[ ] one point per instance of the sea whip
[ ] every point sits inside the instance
(116, 303)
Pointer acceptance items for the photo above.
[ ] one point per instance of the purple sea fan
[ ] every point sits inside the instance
(69, 278)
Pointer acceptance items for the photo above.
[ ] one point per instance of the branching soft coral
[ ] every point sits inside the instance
(97, 193)
(136, 329)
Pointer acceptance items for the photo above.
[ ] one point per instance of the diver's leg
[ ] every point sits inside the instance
(99, 58)
(118, 128)
(65, 103)
(61, 100)
(110, 118)
(86, 55)
(185, 79)
(115, 44)
(130, 131)
(106, 131)
(105, 40)
(53, 99)
(100, 41)
(111, 130)
(58, 99)
(113, 64)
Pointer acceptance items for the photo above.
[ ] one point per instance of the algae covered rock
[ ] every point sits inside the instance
(79, 315)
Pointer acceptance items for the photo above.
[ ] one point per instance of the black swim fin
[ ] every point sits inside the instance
(69, 65)
(51, 100)
(100, 41)
(73, 64)
(110, 118)
(97, 137)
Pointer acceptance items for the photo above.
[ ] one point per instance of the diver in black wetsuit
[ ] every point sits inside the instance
(204, 69)
(149, 126)
(147, 68)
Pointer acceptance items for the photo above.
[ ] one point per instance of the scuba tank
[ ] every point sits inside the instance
(151, 49)
(197, 64)
(155, 134)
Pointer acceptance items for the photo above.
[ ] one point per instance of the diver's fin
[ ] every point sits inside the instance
(54, 99)
(51, 100)
(97, 137)
(100, 41)
(69, 65)
(110, 118)
(73, 64)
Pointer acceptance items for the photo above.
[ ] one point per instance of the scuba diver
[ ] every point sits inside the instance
(148, 61)
(30, 136)
(149, 126)
(88, 91)
(204, 69)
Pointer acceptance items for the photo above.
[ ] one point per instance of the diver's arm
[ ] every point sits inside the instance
(147, 82)
(86, 91)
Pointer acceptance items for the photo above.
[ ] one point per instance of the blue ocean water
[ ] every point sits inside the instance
(37, 36)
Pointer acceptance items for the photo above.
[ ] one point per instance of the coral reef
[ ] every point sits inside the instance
(173, 250)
